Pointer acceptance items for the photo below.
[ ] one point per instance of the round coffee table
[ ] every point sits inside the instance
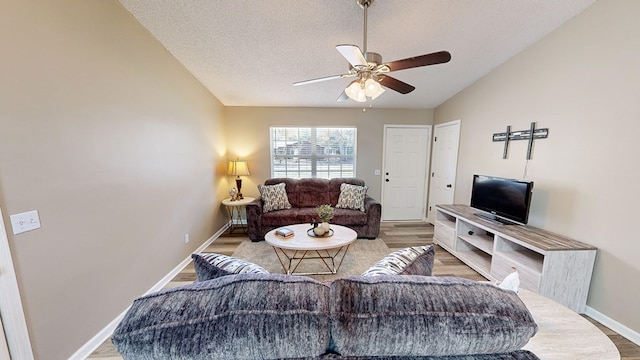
(331, 250)
(564, 334)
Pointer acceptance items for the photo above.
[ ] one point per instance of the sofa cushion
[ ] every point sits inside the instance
(514, 355)
(349, 217)
(245, 316)
(352, 197)
(313, 192)
(210, 266)
(344, 217)
(274, 197)
(416, 260)
(425, 316)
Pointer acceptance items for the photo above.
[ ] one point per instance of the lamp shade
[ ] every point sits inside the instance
(238, 168)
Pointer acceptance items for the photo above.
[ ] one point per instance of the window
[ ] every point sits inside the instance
(313, 152)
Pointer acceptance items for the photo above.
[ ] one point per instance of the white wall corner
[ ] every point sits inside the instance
(88, 348)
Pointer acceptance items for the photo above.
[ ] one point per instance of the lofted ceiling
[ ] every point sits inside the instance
(250, 52)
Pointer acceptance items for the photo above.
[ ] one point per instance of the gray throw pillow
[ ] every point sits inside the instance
(425, 316)
(416, 260)
(244, 316)
(274, 197)
(352, 197)
(210, 266)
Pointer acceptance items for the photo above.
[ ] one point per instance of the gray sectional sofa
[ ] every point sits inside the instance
(304, 195)
(274, 316)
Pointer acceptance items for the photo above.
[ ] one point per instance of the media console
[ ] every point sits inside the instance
(548, 264)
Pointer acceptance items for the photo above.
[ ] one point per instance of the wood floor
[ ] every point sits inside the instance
(397, 236)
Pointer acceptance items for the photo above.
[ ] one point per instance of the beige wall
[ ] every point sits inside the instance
(248, 136)
(582, 82)
(120, 150)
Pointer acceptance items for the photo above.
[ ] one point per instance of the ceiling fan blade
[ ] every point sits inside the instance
(417, 61)
(353, 55)
(395, 84)
(343, 96)
(311, 81)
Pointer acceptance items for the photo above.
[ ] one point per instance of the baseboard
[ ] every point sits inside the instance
(624, 331)
(104, 334)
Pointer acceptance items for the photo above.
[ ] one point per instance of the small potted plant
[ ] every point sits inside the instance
(325, 212)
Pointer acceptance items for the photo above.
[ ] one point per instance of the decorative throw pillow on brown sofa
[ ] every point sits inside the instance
(352, 197)
(274, 197)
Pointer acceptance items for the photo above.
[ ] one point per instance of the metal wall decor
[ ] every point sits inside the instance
(530, 135)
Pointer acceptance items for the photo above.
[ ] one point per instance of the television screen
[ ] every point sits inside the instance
(501, 198)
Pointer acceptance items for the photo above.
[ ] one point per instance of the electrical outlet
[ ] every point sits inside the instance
(186, 238)
(25, 221)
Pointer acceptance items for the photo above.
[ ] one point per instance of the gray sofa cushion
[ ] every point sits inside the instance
(245, 316)
(515, 355)
(210, 266)
(415, 260)
(425, 316)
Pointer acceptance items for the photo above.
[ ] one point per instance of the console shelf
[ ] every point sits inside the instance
(547, 263)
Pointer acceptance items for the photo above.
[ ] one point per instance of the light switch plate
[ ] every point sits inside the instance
(25, 221)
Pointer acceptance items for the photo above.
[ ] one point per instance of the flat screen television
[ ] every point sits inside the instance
(501, 199)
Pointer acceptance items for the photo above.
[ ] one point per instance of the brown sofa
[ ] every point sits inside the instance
(305, 195)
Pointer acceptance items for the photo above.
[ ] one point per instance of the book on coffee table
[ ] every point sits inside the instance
(284, 233)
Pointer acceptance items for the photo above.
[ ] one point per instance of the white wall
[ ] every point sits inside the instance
(582, 82)
(120, 150)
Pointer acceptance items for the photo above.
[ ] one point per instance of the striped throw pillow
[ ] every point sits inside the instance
(210, 266)
(416, 260)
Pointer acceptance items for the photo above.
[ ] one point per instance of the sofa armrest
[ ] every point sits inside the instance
(373, 209)
(254, 219)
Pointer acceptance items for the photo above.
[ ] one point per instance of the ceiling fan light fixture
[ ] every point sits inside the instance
(371, 87)
(378, 93)
(355, 91)
(371, 72)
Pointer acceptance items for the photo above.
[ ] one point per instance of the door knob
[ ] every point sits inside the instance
(387, 180)
(448, 185)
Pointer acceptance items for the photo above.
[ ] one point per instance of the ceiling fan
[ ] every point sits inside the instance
(369, 71)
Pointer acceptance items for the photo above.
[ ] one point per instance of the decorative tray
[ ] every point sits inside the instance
(327, 234)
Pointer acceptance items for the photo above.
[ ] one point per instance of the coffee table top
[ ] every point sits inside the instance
(564, 334)
(342, 236)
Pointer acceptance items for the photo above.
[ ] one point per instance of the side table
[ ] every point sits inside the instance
(235, 210)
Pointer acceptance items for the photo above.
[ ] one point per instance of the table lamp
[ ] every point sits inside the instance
(238, 168)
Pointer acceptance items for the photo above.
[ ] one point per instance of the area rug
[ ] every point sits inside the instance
(360, 256)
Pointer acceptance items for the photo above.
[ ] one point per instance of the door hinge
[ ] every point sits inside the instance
(435, 138)
(433, 174)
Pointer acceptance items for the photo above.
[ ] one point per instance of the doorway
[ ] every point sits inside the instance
(406, 150)
(445, 163)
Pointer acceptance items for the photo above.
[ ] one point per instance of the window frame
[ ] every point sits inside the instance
(312, 145)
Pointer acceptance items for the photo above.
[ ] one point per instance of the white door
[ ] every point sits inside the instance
(445, 162)
(404, 175)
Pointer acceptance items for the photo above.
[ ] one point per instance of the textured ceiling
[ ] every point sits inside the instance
(250, 52)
